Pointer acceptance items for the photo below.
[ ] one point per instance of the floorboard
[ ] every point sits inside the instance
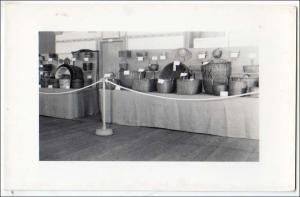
(75, 140)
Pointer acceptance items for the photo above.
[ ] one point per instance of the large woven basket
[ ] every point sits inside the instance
(166, 86)
(216, 72)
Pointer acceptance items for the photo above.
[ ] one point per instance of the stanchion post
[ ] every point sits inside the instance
(103, 131)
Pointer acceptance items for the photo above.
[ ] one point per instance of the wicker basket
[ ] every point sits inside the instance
(237, 87)
(165, 85)
(144, 85)
(188, 86)
(216, 72)
(127, 80)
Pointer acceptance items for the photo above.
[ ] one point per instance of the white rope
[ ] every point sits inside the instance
(72, 91)
(183, 99)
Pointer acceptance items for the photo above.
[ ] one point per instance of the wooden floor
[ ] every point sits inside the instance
(74, 140)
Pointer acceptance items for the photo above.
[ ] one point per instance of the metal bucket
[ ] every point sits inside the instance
(144, 85)
(188, 86)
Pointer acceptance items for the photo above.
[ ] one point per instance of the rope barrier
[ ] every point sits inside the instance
(183, 99)
(151, 95)
(72, 91)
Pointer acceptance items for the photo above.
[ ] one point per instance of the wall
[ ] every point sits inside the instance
(46, 42)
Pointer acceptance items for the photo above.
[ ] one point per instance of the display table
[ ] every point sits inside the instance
(237, 117)
(69, 106)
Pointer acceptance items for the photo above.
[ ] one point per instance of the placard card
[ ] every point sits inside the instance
(175, 63)
(154, 57)
(41, 72)
(49, 59)
(41, 66)
(160, 81)
(117, 88)
(223, 93)
(162, 57)
(108, 75)
(201, 56)
(86, 59)
(90, 76)
(67, 87)
(141, 70)
(183, 74)
(126, 72)
(73, 59)
(50, 86)
(40, 85)
(140, 59)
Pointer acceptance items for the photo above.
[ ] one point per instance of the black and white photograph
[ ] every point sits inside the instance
(168, 96)
(149, 98)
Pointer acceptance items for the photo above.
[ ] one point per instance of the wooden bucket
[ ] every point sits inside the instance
(188, 86)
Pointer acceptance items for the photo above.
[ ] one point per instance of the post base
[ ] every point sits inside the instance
(104, 132)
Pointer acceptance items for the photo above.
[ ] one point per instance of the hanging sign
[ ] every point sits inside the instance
(175, 63)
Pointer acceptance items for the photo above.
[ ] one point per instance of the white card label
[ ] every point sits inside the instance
(204, 63)
(49, 59)
(118, 88)
(41, 66)
(176, 63)
(183, 74)
(162, 57)
(41, 72)
(154, 57)
(234, 54)
(40, 86)
(126, 72)
(223, 93)
(90, 76)
(140, 58)
(201, 56)
(160, 81)
(50, 86)
(67, 87)
(86, 59)
(141, 70)
(73, 59)
(106, 75)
